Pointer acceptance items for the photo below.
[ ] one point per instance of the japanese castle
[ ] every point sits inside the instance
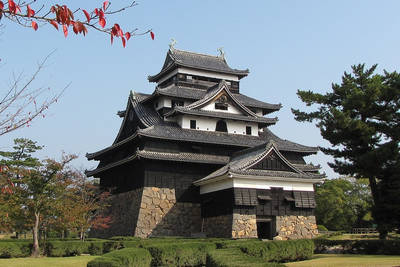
(196, 158)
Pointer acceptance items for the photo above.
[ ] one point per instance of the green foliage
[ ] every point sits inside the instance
(322, 228)
(233, 257)
(15, 249)
(369, 247)
(360, 118)
(129, 257)
(343, 203)
(180, 254)
(66, 248)
(280, 251)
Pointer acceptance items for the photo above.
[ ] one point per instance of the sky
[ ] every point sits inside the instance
(286, 45)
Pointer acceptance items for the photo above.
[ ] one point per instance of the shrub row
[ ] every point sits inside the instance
(233, 257)
(180, 254)
(280, 251)
(15, 249)
(372, 247)
(129, 257)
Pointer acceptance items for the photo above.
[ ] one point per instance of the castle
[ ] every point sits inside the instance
(196, 157)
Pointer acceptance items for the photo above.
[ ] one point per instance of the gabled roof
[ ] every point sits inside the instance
(242, 163)
(176, 58)
(211, 95)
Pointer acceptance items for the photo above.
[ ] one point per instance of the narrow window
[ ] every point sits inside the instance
(248, 130)
(221, 106)
(192, 124)
(221, 126)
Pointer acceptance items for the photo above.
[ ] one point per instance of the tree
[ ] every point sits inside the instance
(85, 205)
(60, 15)
(360, 118)
(343, 204)
(21, 104)
(38, 187)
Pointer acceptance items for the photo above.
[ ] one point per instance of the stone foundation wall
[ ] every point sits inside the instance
(124, 213)
(295, 227)
(244, 226)
(161, 215)
(218, 226)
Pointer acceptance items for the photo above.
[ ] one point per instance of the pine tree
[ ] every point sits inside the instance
(361, 119)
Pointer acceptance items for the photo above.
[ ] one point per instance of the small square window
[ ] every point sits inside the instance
(248, 130)
(192, 124)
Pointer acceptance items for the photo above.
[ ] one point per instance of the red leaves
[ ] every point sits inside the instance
(87, 15)
(34, 25)
(14, 8)
(54, 23)
(100, 14)
(65, 29)
(152, 35)
(117, 32)
(1, 5)
(105, 5)
(29, 11)
(78, 27)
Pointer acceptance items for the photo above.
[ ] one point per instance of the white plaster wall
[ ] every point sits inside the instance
(231, 108)
(260, 184)
(164, 102)
(209, 124)
(255, 184)
(210, 74)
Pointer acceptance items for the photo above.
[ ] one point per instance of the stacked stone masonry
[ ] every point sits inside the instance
(161, 215)
(295, 227)
(218, 226)
(244, 226)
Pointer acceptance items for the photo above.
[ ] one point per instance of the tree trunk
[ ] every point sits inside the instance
(82, 235)
(35, 232)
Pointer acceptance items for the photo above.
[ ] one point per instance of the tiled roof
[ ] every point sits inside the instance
(197, 61)
(146, 114)
(183, 157)
(286, 145)
(196, 94)
(307, 167)
(241, 165)
(172, 131)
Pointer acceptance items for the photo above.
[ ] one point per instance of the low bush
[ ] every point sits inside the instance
(322, 228)
(15, 249)
(66, 248)
(127, 257)
(233, 257)
(280, 251)
(372, 247)
(180, 254)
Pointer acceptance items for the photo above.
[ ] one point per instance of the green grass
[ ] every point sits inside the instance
(78, 261)
(337, 260)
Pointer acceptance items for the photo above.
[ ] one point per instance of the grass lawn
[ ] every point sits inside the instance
(78, 261)
(325, 260)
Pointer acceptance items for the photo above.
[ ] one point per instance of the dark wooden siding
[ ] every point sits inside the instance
(272, 162)
(275, 202)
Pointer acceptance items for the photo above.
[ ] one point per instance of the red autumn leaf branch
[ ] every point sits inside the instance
(61, 15)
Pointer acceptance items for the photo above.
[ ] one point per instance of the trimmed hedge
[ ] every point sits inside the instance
(15, 249)
(280, 251)
(180, 254)
(129, 257)
(371, 247)
(233, 257)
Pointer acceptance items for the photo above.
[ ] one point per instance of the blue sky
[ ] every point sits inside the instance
(287, 45)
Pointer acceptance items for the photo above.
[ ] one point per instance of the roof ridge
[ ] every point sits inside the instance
(196, 53)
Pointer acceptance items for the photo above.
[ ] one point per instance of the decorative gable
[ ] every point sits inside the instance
(272, 162)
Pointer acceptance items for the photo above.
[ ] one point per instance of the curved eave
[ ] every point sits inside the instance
(154, 78)
(110, 166)
(91, 156)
